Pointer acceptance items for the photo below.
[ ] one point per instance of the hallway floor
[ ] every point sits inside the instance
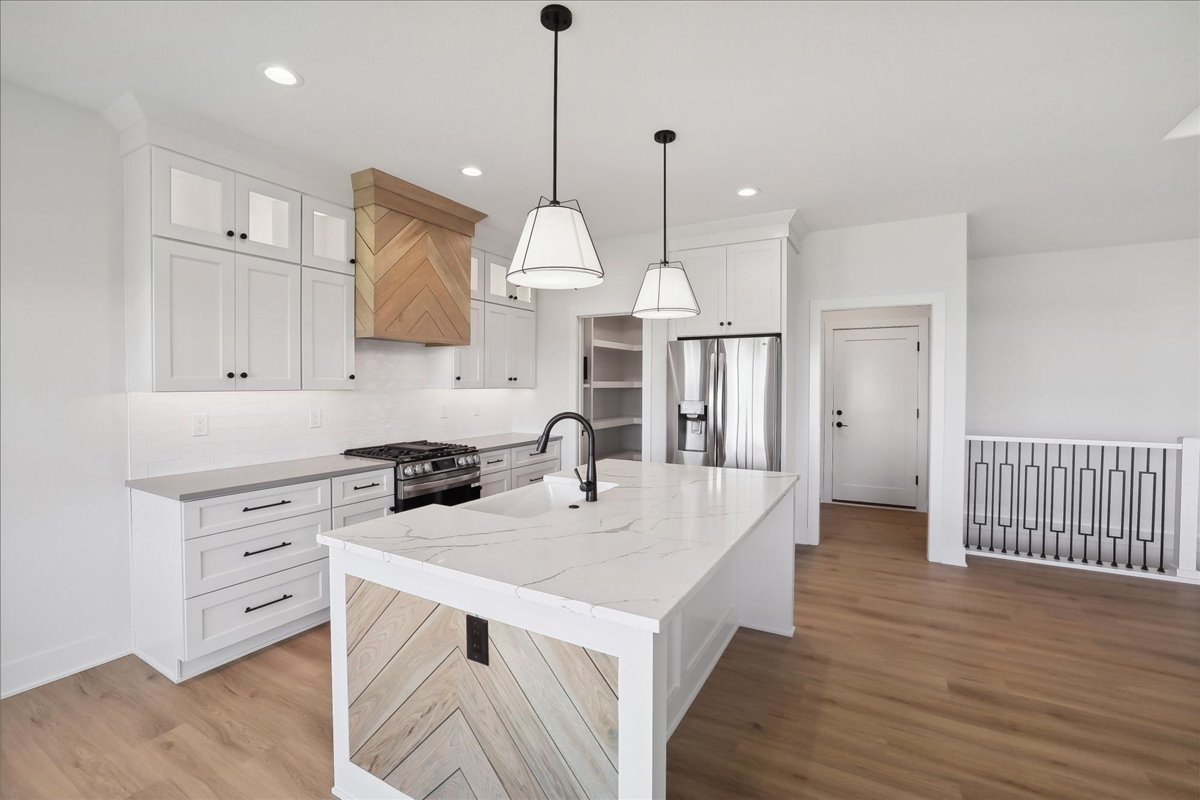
(905, 680)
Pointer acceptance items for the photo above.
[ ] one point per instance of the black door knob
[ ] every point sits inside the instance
(839, 424)
(228, 374)
(243, 236)
(229, 234)
(352, 261)
(351, 377)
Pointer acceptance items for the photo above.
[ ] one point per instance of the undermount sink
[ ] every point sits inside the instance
(549, 495)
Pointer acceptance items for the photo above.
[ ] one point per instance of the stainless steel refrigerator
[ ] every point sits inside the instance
(723, 402)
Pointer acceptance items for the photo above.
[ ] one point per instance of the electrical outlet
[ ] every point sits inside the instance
(314, 418)
(199, 424)
(443, 412)
(475, 412)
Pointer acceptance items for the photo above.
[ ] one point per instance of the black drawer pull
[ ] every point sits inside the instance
(497, 461)
(368, 486)
(534, 480)
(268, 505)
(265, 549)
(268, 603)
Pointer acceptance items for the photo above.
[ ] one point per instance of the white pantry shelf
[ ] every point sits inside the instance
(625, 455)
(611, 345)
(615, 384)
(615, 422)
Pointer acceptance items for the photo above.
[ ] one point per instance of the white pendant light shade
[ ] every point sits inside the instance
(666, 293)
(555, 250)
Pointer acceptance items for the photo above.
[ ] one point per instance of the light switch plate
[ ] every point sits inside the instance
(314, 418)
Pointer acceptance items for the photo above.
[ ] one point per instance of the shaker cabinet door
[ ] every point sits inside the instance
(268, 220)
(192, 200)
(705, 267)
(521, 336)
(328, 236)
(268, 324)
(468, 361)
(193, 313)
(327, 330)
(753, 275)
(496, 366)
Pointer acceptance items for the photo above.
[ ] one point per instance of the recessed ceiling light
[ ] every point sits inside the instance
(281, 75)
(749, 191)
(472, 172)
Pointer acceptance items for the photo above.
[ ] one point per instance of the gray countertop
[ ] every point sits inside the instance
(501, 441)
(217, 482)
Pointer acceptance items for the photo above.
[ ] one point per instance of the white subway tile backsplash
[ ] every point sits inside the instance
(398, 396)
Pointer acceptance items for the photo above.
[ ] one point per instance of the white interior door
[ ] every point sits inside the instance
(268, 324)
(873, 420)
(327, 326)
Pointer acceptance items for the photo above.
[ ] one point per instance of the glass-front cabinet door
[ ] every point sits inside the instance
(328, 236)
(499, 290)
(268, 220)
(192, 200)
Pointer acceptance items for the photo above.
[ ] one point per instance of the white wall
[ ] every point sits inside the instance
(1087, 344)
(64, 553)
(899, 263)
(401, 393)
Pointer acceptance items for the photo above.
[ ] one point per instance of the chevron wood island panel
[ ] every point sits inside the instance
(413, 262)
(538, 721)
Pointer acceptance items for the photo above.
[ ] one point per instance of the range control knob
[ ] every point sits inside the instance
(462, 461)
(427, 467)
(475, 459)
(408, 471)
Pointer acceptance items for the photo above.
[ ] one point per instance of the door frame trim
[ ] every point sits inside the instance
(943, 534)
(922, 326)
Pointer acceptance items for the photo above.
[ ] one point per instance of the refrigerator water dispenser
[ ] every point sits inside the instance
(693, 426)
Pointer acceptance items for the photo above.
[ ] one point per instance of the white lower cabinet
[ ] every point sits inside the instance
(495, 484)
(533, 473)
(514, 467)
(217, 578)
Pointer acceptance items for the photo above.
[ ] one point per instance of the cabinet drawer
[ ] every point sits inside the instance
(355, 513)
(215, 514)
(225, 559)
(525, 455)
(495, 484)
(227, 616)
(363, 486)
(495, 461)
(524, 476)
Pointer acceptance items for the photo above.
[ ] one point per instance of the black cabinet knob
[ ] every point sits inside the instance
(351, 377)
(722, 324)
(243, 236)
(352, 261)
(730, 323)
(229, 234)
(458, 377)
(228, 374)
(243, 375)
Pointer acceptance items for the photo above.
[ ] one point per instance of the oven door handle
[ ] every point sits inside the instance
(465, 478)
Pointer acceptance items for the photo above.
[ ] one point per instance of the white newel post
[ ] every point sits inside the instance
(1188, 511)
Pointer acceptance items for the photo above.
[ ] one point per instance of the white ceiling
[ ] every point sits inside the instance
(1042, 120)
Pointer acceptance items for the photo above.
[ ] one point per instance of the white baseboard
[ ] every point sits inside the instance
(23, 674)
(1136, 572)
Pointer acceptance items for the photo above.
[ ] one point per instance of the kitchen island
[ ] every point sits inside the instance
(534, 645)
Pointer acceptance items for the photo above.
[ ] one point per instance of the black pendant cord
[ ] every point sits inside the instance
(554, 167)
(664, 258)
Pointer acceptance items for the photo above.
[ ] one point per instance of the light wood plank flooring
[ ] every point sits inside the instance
(904, 680)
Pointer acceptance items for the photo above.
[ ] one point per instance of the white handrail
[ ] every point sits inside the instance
(1084, 442)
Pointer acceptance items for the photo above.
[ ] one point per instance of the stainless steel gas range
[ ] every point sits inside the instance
(429, 472)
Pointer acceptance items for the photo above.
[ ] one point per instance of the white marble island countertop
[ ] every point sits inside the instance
(631, 557)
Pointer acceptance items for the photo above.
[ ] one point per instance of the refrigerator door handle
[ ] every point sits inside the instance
(719, 415)
(713, 434)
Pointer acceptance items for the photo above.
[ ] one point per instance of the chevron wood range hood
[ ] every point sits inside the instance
(412, 280)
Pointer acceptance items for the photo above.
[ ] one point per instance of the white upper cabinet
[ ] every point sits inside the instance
(192, 200)
(495, 346)
(705, 269)
(193, 315)
(478, 258)
(753, 278)
(267, 219)
(267, 331)
(521, 335)
(468, 361)
(739, 288)
(499, 290)
(327, 339)
(328, 236)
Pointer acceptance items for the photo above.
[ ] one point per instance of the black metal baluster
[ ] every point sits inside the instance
(988, 503)
(1162, 525)
(1045, 494)
(1153, 500)
(1072, 520)
(1017, 523)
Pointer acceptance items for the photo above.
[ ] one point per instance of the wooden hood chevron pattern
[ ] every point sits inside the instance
(539, 721)
(412, 262)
